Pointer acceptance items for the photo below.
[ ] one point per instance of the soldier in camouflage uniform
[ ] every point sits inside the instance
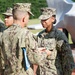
(8, 21)
(2, 28)
(60, 61)
(15, 39)
(8, 17)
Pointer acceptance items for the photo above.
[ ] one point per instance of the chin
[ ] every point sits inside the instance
(25, 25)
(7, 25)
(44, 27)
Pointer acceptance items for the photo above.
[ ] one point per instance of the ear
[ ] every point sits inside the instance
(53, 19)
(23, 19)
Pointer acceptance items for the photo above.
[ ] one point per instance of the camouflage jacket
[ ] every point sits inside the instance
(2, 28)
(13, 40)
(60, 62)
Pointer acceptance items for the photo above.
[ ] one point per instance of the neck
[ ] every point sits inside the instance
(48, 29)
(19, 23)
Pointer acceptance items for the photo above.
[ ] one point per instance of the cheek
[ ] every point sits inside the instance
(9, 22)
(6, 21)
(11, 19)
(27, 19)
(44, 24)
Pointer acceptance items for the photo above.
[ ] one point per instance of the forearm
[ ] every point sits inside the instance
(35, 69)
(67, 57)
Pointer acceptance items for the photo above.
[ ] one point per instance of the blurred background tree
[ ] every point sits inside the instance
(36, 5)
(73, 0)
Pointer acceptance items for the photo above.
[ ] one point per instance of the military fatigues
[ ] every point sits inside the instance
(60, 62)
(14, 39)
(2, 28)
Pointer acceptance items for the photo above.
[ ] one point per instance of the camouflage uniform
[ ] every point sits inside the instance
(13, 40)
(60, 62)
(2, 28)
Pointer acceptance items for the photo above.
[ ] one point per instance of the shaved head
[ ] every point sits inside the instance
(18, 15)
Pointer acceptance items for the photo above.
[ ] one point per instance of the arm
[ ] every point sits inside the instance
(33, 50)
(35, 66)
(67, 61)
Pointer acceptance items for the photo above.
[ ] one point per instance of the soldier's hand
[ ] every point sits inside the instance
(35, 68)
(41, 48)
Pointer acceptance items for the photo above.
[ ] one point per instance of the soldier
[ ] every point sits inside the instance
(60, 61)
(2, 28)
(8, 21)
(8, 17)
(17, 40)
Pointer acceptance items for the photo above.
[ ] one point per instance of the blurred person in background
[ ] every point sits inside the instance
(2, 28)
(8, 21)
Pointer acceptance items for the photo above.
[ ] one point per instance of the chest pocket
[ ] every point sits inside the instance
(49, 44)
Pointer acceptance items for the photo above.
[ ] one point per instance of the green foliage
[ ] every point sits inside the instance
(73, 0)
(36, 5)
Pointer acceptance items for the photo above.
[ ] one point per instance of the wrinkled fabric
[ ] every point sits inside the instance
(2, 28)
(60, 62)
(19, 72)
(13, 40)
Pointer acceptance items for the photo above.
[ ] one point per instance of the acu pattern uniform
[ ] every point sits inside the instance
(60, 62)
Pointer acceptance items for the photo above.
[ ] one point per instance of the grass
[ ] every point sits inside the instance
(70, 41)
(34, 21)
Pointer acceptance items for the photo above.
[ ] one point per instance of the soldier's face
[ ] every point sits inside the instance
(46, 23)
(8, 20)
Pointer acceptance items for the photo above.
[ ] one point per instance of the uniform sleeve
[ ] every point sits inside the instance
(66, 56)
(0, 39)
(33, 54)
(1, 55)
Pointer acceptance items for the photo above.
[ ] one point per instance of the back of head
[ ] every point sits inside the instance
(20, 10)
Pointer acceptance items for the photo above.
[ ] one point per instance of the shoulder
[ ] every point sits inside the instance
(24, 33)
(2, 27)
(40, 33)
(60, 35)
(5, 31)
